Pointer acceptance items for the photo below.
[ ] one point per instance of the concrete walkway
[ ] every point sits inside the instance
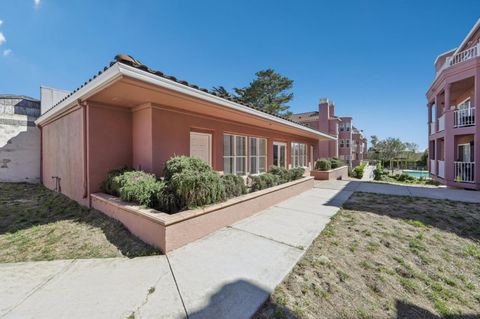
(368, 173)
(228, 274)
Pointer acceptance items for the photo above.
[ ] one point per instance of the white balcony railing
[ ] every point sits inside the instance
(441, 123)
(441, 169)
(460, 57)
(433, 128)
(464, 172)
(464, 117)
(433, 167)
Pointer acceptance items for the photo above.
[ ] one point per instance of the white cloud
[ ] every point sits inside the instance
(2, 38)
(7, 52)
(36, 3)
(1, 22)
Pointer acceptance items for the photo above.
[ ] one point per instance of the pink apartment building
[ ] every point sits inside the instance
(350, 145)
(453, 132)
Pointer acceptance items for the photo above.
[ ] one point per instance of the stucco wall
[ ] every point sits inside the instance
(63, 155)
(19, 140)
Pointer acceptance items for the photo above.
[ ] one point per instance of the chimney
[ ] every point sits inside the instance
(323, 115)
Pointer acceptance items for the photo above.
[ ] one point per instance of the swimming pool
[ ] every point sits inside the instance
(416, 174)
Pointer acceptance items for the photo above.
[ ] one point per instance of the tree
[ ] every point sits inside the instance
(373, 153)
(268, 92)
(390, 149)
(222, 91)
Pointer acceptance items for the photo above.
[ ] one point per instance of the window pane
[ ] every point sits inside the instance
(228, 165)
(262, 146)
(227, 145)
(240, 166)
(275, 155)
(282, 156)
(253, 146)
(253, 165)
(262, 164)
(240, 145)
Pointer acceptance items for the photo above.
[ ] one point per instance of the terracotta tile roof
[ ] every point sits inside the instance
(129, 60)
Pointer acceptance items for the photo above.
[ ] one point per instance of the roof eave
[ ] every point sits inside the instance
(472, 31)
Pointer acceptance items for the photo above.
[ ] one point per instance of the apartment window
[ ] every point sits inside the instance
(341, 127)
(347, 143)
(235, 154)
(347, 127)
(258, 155)
(342, 143)
(299, 155)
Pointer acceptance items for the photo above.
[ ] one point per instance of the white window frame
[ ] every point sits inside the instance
(257, 156)
(294, 159)
(279, 144)
(235, 156)
(342, 143)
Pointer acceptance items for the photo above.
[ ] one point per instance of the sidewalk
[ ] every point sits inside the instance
(228, 274)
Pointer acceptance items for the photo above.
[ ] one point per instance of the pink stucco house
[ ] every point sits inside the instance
(131, 115)
(350, 145)
(453, 131)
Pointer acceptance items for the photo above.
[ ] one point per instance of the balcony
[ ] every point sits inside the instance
(441, 123)
(433, 167)
(441, 169)
(433, 128)
(460, 57)
(464, 172)
(464, 117)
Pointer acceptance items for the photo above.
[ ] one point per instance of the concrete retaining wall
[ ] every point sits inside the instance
(336, 173)
(19, 139)
(169, 232)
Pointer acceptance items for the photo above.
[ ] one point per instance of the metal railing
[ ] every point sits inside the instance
(465, 55)
(464, 172)
(464, 117)
(433, 167)
(441, 169)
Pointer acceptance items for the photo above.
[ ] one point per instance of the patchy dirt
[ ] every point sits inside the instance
(387, 256)
(38, 224)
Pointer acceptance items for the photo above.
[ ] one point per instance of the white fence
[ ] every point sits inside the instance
(464, 172)
(441, 169)
(433, 167)
(464, 117)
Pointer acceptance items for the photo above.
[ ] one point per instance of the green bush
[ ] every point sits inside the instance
(323, 164)
(110, 185)
(259, 182)
(358, 171)
(335, 163)
(234, 185)
(284, 175)
(139, 187)
(296, 173)
(405, 178)
(180, 164)
(167, 201)
(378, 172)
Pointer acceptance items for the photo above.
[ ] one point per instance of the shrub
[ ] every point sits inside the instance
(180, 164)
(284, 175)
(297, 173)
(323, 164)
(358, 171)
(378, 172)
(110, 185)
(263, 181)
(167, 201)
(335, 163)
(139, 187)
(234, 185)
(405, 178)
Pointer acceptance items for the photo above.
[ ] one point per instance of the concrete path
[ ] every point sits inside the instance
(368, 173)
(228, 274)
(402, 190)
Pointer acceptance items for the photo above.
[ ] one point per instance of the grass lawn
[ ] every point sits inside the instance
(38, 224)
(387, 257)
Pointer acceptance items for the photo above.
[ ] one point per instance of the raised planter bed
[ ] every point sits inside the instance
(333, 174)
(171, 231)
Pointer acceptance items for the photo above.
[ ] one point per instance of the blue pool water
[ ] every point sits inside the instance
(416, 174)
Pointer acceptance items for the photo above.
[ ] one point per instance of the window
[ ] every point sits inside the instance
(341, 126)
(258, 155)
(342, 143)
(299, 155)
(347, 127)
(347, 143)
(235, 154)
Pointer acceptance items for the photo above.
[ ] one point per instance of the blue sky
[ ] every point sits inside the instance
(373, 58)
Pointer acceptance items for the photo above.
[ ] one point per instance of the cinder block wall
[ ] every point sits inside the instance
(19, 139)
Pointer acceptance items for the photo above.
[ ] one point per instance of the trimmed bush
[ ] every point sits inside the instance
(110, 185)
(323, 164)
(296, 173)
(180, 164)
(378, 172)
(139, 187)
(234, 185)
(193, 182)
(263, 181)
(282, 173)
(358, 171)
(335, 163)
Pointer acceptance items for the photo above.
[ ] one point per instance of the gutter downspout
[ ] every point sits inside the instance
(41, 154)
(86, 187)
